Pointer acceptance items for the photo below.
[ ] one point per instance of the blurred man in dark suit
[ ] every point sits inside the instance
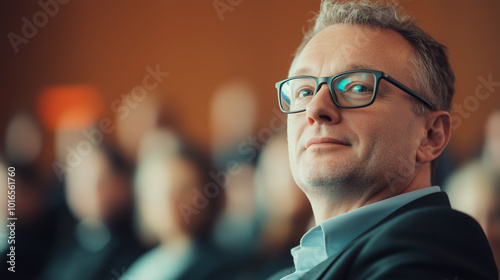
(475, 190)
(368, 98)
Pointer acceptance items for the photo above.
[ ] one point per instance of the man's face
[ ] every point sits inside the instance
(355, 148)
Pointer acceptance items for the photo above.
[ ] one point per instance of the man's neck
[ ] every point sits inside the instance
(326, 206)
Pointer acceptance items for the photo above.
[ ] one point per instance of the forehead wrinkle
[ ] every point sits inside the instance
(334, 69)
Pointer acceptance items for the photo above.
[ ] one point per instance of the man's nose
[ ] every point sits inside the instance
(322, 109)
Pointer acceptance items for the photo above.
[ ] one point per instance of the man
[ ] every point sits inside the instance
(368, 98)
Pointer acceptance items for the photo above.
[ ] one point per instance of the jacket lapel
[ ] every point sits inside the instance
(439, 199)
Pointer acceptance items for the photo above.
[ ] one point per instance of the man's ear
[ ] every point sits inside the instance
(436, 136)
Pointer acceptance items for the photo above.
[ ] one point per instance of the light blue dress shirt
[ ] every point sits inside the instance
(332, 235)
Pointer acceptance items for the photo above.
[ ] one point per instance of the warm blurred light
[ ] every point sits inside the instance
(69, 106)
(23, 139)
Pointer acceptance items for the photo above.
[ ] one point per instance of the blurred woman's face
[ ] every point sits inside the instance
(95, 191)
(166, 197)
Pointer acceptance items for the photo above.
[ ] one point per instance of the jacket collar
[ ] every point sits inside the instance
(439, 199)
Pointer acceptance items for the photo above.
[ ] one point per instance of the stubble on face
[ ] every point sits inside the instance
(365, 173)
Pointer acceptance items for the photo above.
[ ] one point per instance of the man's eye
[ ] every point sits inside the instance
(305, 93)
(359, 88)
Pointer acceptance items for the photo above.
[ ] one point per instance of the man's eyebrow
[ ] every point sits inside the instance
(305, 71)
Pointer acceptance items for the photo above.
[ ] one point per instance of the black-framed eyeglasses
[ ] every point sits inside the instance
(351, 89)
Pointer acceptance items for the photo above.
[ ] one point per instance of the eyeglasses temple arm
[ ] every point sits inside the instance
(407, 90)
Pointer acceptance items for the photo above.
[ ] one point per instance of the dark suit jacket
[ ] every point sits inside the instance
(423, 240)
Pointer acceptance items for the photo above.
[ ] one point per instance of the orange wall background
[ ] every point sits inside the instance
(108, 44)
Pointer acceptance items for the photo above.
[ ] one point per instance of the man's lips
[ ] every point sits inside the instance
(324, 140)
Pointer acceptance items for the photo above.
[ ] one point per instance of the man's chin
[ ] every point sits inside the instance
(341, 188)
(321, 177)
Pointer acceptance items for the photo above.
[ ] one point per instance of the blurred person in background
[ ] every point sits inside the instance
(475, 190)
(97, 240)
(134, 121)
(178, 203)
(155, 141)
(284, 213)
(491, 152)
(233, 113)
(35, 225)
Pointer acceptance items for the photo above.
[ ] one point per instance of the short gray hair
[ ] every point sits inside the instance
(432, 73)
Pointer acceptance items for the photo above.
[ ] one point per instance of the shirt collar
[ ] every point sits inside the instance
(332, 235)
